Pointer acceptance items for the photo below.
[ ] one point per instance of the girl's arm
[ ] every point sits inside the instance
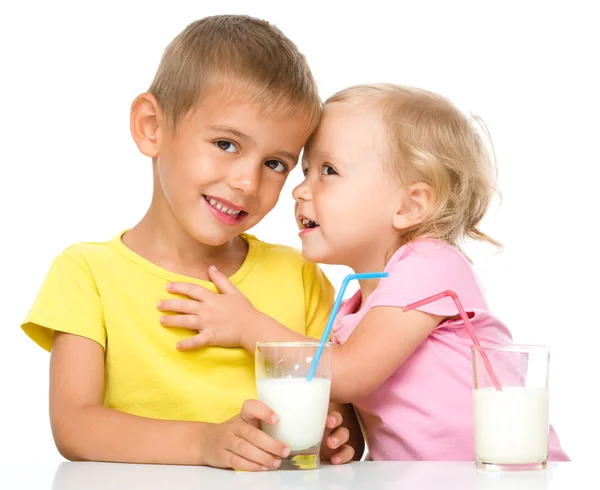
(381, 342)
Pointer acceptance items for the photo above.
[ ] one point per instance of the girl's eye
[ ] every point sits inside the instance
(276, 165)
(328, 170)
(227, 146)
(305, 171)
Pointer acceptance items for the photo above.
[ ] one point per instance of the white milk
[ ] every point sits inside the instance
(302, 408)
(511, 426)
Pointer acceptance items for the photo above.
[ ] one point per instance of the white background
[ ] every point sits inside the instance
(71, 172)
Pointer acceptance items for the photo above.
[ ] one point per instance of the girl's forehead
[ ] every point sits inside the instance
(347, 129)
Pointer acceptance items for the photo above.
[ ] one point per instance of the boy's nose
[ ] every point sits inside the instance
(246, 179)
(302, 192)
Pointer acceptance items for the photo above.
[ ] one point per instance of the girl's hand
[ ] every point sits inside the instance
(219, 318)
(334, 447)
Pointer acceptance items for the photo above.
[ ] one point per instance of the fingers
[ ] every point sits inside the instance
(239, 463)
(203, 339)
(338, 437)
(254, 411)
(190, 290)
(344, 455)
(262, 441)
(191, 322)
(334, 419)
(251, 452)
(179, 306)
(221, 281)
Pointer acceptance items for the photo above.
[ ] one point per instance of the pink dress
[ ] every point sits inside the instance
(424, 411)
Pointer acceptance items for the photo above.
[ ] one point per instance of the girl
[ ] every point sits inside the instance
(396, 178)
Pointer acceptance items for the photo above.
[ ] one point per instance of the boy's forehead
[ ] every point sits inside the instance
(223, 100)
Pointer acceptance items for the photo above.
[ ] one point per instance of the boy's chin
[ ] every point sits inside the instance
(214, 239)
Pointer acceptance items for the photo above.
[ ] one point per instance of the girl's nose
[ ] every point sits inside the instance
(302, 192)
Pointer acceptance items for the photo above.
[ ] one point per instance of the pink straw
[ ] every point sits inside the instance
(468, 324)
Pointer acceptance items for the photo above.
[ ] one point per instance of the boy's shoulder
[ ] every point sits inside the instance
(84, 253)
(83, 249)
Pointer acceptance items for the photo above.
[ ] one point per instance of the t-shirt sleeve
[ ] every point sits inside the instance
(318, 299)
(68, 301)
(426, 269)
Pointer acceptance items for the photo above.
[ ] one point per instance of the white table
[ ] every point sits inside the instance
(363, 476)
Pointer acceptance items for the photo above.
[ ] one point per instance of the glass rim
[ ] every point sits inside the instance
(510, 347)
(282, 343)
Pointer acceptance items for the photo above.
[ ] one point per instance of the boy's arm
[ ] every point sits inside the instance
(85, 430)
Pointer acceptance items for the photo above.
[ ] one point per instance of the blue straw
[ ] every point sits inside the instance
(333, 314)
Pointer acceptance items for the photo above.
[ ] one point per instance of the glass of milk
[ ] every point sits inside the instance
(301, 405)
(511, 425)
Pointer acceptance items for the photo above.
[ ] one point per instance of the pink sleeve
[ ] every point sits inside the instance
(426, 268)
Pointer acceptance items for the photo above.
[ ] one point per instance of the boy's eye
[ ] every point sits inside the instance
(328, 170)
(305, 171)
(276, 165)
(227, 146)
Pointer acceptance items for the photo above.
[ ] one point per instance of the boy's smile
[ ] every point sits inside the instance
(225, 211)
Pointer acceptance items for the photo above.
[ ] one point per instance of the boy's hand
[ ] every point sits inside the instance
(218, 318)
(334, 447)
(239, 443)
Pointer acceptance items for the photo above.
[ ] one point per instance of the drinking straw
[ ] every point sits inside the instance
(412, 306)
(465, 319)
(333, 314)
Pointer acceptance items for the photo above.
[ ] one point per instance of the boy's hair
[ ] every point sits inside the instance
(240, 54)
(432, 142)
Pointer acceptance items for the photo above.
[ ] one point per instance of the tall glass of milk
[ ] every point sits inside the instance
(301, 405)
(511, 425)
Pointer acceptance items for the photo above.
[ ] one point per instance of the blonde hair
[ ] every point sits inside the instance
(242, 54)
(432, 142)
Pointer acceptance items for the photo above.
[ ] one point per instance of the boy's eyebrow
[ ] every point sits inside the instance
(290, 156)
(231, 131)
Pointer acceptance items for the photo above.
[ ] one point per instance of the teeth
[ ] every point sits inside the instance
(216, 204)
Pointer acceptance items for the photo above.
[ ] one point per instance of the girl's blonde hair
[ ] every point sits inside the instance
(434, 143)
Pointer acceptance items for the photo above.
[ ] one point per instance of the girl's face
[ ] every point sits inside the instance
(346, 205)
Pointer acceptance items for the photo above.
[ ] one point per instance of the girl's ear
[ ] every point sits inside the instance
(415, 206)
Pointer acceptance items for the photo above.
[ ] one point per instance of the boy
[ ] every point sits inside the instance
(230, 108)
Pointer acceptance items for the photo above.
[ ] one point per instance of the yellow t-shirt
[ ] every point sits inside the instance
(108, 293)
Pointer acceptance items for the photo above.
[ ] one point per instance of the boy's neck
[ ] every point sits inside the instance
(165, 244)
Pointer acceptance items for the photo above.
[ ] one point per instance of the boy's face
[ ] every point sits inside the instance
(223, 169)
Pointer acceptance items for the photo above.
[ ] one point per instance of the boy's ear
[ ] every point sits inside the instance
(144, 122)
(415, 205)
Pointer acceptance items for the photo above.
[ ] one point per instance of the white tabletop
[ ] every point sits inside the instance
(364, 476)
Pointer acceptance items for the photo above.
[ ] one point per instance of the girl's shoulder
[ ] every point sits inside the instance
(428, 253)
